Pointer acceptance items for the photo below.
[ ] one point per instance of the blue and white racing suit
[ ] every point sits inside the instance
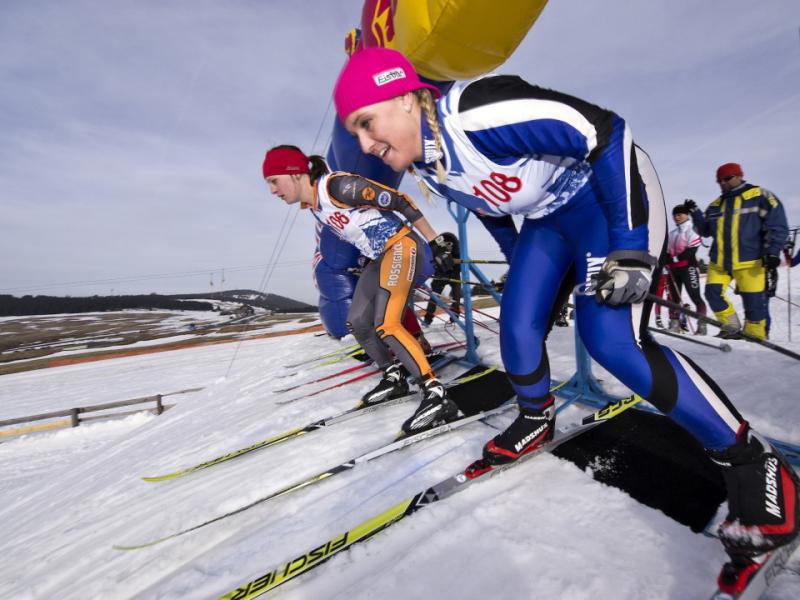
(585, 190)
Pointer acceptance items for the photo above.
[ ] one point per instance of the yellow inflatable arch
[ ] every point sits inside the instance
(450, 39)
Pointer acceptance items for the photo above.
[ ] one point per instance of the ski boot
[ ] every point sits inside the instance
(763, 505)
(659, 322)
(684, 322)
(736, 573)
(675, 326)
(393, 384)
(435, 409)
(732, 326)
(532, 428)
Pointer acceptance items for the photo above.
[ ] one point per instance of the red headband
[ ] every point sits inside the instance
(285, 161)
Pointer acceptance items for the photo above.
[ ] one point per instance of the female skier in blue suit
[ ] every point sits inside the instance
(501, 146)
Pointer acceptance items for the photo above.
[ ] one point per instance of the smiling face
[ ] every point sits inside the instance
(389, 130)
(285, 187)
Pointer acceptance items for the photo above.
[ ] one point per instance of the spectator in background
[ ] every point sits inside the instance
(661, 290)
(789, 248)
(451, 278)
(683, 271)
(749, 229)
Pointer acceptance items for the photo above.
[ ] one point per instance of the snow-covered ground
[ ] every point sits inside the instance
(543, 530)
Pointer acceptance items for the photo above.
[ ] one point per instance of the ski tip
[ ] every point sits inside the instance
(122, 548)
(156, 478)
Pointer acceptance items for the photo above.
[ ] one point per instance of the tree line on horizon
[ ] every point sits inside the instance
(12, 306)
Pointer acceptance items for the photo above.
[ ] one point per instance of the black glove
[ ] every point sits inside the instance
(442, 259)
(788, 247)
(771, 261)
(625, 277)
(771, 286)
(690, 204)
(362, 263)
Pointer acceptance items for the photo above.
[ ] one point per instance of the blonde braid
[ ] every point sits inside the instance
(428, 106)
(426, 193)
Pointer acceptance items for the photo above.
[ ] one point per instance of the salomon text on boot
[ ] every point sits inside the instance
(435, 409)
(393, 384)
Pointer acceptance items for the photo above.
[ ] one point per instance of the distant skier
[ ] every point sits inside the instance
(590, 196)
(363, 213)
(682, 248)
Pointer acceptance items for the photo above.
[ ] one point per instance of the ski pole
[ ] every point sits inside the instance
(720, 325)
(782, 299)
(480, 312)
(722, 347)
(461, 281)
(789, 294)
(445, 299)
(788, 249)
(481, 262)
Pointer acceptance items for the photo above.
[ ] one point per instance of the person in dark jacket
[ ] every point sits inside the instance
(451, 278)
(748, 226)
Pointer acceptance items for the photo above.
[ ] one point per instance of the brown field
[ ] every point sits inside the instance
(33, 339)
(28, 343)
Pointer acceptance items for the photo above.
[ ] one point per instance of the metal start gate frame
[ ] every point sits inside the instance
(583, 387)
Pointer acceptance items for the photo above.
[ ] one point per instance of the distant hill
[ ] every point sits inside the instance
(48, 305)
(269, 301)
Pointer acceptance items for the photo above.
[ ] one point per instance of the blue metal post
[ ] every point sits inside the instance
(461, 215)
(583, 387)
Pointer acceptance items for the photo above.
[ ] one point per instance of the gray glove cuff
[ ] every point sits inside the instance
(632, 258)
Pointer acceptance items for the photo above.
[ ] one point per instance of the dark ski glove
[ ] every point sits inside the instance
(771, 286)
(442, 258)
(690, 204)
(625, 277)
(771, 261)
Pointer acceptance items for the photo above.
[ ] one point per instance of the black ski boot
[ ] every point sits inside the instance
(763, 502)
(531, 429)
(393, 384)
(436, 409)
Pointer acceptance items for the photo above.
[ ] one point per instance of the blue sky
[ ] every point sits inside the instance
(133, 131)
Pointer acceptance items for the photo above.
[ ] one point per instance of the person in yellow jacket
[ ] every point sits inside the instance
(748, 226)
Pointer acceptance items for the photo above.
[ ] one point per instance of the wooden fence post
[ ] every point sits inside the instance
(73, 416)
(159, 406)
